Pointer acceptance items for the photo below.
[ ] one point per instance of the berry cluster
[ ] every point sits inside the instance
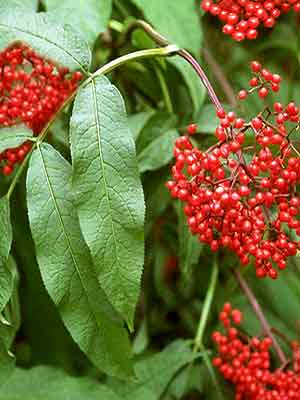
(246, 363)
(243, 194)
(242, 18)
(262, 81)
(32, 89)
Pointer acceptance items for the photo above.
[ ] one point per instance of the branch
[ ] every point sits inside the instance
(207, 306)
(260, 315)
(162, 41)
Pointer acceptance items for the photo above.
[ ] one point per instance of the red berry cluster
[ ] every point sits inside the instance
(242, 194)
(262, 81)
(32, 89)
(242, 18)
(246, 363)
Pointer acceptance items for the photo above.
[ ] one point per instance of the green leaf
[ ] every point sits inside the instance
(9, 317)
(189, 379)
(282, 38)
(108, 191)
(24, 4)
(7, 363)
(157, 196)
(90, 17)
(137, 122)
(176, 20)
(6, 278)
(59, 43)
(158, 153)
(5, 230)
(66, 265)
(286, 288)
(61, 350)
(48, 383)
(6, 282)
(189, 246)
(208, 120)
(141, 341)
(196, 89)
(155, 372)
(14, 136)
(159, 123)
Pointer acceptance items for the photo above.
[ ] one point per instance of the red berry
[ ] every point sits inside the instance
(263, 92)
(192, 129)
(243, 94)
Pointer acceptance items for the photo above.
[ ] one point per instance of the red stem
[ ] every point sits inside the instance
(194, 63)
(260, 315)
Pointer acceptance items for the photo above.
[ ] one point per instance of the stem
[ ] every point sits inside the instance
(116, 26)
(164, 89)
(162, 51)
(19, 173)
(194, 63)
(162, 41)
(260, 315)
(207, 306)
(220, 76)
(157, 37)
(198, 343)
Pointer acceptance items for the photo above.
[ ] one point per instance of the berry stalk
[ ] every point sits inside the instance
(260, 315)
(207, 305)
(198, 343)
(162, 41)
(197, 67)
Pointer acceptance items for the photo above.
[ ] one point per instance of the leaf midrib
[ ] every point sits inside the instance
(97, 125)
(67, 237)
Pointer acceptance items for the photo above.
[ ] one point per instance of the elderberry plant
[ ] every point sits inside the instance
(243, 194)
(242, 19)
(110, 288)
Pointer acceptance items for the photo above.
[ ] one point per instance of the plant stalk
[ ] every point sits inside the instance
(198, 342)
(197, 67)
(162, 41)
(260, 315)
(164, 89)
(207, 306)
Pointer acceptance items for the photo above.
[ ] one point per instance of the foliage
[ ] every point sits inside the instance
(104, 292)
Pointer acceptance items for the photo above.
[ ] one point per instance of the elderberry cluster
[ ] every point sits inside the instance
(32, 89)
(246, 363)
(242, 194)
(242, 18)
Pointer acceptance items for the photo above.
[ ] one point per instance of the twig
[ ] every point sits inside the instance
(198, 343)
(260, 315)
(206, 306)
(162, 41)
(210, 90)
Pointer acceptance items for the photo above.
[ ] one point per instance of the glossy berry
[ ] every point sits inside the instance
(242, 19)
(32, 89)
(243, 94)
(243, 196)
(246, 362)
(192, 129)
